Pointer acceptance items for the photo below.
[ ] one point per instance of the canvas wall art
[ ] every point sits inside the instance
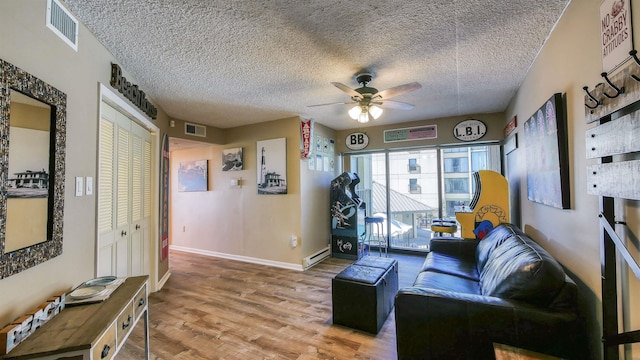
(272, 166)
(193, 175)
(232, 159)
(546, 151)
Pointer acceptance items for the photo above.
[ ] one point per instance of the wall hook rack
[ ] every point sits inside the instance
(618, 90)
(586, 89)
(634, 54)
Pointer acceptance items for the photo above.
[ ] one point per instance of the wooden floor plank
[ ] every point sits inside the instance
(212, 308)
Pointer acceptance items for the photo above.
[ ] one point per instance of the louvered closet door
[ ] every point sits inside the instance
(124, 190)
(106, 256)
(140, 199)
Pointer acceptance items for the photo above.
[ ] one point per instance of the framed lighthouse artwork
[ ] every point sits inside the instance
(272, 166)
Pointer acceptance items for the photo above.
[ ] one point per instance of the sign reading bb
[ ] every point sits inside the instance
(357, 141)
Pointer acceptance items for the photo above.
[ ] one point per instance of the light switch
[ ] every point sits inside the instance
(89, 186)
(79, 185)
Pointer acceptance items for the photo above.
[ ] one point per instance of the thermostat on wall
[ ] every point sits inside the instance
(470, 130)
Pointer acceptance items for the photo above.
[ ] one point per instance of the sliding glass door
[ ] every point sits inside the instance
(409, 188)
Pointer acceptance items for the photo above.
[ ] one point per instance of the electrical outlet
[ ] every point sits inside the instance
(294, 241)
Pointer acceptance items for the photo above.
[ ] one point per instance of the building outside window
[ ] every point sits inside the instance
(413, 166)
(456, 185)
(456, 164)
(414, 188)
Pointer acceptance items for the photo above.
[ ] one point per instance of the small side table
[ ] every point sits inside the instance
(444, 226)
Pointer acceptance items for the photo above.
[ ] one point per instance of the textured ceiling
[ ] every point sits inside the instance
(229, 63)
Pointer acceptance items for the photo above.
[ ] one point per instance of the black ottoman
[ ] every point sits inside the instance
(390, 278)
(364, 292)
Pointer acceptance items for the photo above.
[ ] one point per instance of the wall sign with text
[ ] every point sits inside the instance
(412, 133)
(357, 141)
(615, 30)
(470, 130)
(131, 92)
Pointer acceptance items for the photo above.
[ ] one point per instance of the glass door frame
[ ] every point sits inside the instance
(345, 158)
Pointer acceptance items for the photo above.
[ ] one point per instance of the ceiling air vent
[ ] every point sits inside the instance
(196, 130)
(62, 23)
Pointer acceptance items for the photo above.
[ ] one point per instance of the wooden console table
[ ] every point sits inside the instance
(93, 331)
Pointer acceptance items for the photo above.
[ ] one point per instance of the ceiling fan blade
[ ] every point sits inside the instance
(334, 103)
(392, 104)
(346, 89)
(397, 90)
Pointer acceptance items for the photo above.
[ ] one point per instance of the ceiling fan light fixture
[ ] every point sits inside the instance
(365, 97)
(355, 112)
(363, 117)
(375, 111)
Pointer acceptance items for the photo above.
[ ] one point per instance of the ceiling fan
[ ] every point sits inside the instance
(370, 101)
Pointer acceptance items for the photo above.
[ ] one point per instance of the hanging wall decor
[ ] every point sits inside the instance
(306, 138)
(546, 150)
(272, 170)
(615, 33)
(32, 176)
(193, 175)
(165, 187)
(232, 159)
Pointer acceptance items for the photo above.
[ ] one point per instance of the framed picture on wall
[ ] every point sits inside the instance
(545, 134)
(193, 175)
(272, 166)
(232, 159)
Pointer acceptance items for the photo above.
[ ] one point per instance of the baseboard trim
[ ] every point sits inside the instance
(163, 280)
(247, 259)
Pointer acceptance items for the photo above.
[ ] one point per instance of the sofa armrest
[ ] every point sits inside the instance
(454, 246)
(432, 323)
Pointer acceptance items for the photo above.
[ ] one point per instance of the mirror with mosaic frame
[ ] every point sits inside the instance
(32, 170)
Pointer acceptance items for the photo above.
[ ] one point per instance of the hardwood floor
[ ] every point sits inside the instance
(212, 308)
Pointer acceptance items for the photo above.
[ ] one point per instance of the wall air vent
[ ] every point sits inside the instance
(62, 23)
(195, 130)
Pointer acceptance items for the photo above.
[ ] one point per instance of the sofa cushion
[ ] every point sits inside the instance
(451, 264)
(447, 282)
(492, 240)
(521, 269)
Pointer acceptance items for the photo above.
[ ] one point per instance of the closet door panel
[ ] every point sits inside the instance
(124, 196)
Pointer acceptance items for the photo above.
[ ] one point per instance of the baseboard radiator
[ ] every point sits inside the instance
(316, 257)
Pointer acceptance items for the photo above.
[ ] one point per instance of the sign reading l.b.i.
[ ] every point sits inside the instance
(469, 130)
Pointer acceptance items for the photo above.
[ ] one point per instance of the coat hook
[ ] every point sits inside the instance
(618, 90)
(586, 89)
(634, 53)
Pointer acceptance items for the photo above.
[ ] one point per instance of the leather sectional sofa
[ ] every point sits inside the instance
(471, 294)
